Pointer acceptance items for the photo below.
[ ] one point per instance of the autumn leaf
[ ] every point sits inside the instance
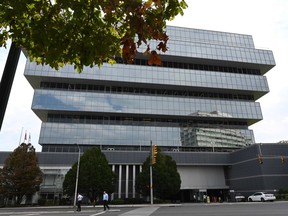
(162, 47)
(154, 58)
(148, 4)
(147, 51)
(157, 2)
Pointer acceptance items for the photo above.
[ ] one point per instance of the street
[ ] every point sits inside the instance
(278, 208)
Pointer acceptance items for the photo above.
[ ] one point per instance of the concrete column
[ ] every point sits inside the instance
(127, 182)
(140, 169)
(113, 170)
(120, 180)
(133, 181)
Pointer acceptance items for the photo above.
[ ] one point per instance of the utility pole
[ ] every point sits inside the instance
(151, 173)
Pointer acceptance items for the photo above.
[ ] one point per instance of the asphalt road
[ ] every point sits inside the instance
(217, 209)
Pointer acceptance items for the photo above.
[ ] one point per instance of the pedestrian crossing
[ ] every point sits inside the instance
(141, 211)
(144, 211)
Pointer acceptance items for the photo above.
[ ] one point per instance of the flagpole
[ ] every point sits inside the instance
(25, 137)
(20, 136)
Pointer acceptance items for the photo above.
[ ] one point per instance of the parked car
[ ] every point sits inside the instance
(240, 198)
(261, 196)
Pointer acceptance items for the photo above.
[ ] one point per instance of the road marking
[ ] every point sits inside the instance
(24, 214)
(99, 213)
(35, 213)
(145, 211)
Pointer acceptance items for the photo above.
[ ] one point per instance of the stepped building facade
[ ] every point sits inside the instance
(208, 80)
(202, 98)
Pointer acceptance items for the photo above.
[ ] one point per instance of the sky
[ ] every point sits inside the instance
(265, 20)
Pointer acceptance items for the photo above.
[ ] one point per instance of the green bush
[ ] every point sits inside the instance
(282, 197)
(118, 202)
(42, 201)
(49, 202)
(282, 194)
(134, 201)
(159, 201)
(128, 201)
(283, 191)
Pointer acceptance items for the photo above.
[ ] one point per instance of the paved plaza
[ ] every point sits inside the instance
(278, 208)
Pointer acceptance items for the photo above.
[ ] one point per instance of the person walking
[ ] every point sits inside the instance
(105, 200)
(79, 201)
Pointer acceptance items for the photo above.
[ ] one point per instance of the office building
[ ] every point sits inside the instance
(129, 105)
(202, 98)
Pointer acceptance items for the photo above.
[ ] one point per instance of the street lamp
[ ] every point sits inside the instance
(77, 174)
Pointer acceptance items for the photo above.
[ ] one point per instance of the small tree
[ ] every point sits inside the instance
(95, 175)
(166, 179)
(21, 174)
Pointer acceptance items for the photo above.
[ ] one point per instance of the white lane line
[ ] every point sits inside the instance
(145, 211)
(24, 214)
(99, 213)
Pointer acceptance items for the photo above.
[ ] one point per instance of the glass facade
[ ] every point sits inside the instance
(203, 94)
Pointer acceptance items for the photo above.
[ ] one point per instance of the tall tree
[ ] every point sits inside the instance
(87, 32)
(166, 179)
(21, 174)
(95, 175)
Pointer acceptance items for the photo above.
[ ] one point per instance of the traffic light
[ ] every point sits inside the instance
(260, 159)
(282, 159)
(154, 154)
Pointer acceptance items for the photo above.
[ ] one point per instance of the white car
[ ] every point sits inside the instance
(261, 196)
(240, 198)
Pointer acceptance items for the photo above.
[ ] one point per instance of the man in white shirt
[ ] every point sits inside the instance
(79, 201)
(105, 201)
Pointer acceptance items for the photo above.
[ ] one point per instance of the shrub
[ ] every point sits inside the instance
(134, 201)
(118, 202)
(42, 201)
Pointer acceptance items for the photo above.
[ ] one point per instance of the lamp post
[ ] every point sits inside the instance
(77, 174)
(151, 174)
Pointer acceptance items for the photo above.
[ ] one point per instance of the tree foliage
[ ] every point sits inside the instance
(95, 175)
(87, 32)
(166, 179)
(21, 174)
